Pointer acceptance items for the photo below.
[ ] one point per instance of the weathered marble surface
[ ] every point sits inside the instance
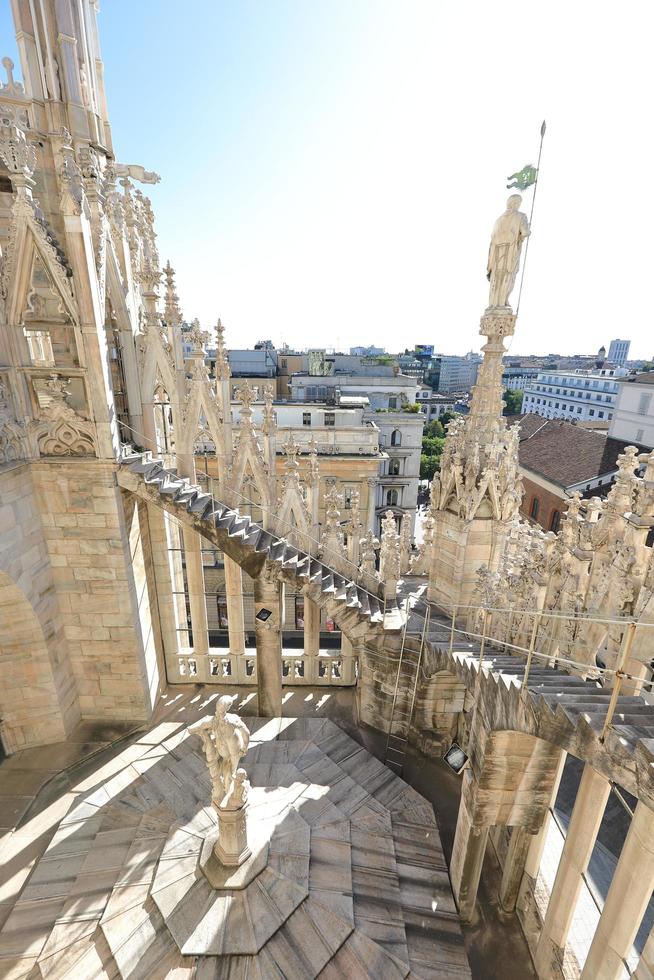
(356, 883)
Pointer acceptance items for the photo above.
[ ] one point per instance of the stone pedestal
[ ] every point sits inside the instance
(232, 848)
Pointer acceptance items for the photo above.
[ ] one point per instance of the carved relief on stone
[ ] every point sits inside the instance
(60, 430)
(16, 151)
(14, 442)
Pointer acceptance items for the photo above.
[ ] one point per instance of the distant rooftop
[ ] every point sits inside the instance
(564, 453)
(644, 378)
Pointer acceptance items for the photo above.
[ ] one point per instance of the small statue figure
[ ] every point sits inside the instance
(509, 232)
(238, 795)
(225, 739)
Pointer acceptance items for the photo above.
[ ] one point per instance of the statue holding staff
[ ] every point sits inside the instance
(509, 232)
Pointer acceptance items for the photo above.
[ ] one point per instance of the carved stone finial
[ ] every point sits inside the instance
(246, 394)
(197, 337)
(172, 312)
(291, 450)
(11, 87)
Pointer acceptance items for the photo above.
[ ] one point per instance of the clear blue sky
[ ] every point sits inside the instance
(331, 169)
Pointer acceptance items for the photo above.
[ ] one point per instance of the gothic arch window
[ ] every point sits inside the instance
(555, 521)
(163, 419)
(393, 467)
(535, 505)
(391, 498)
(396, 438)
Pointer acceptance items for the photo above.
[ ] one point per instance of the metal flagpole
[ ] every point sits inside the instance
(533, 201)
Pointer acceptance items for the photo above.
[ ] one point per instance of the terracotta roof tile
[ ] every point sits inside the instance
(564, 453)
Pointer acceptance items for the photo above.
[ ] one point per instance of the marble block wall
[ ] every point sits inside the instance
(77, 635)
(38, 699)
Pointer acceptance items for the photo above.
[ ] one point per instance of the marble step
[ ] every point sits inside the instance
(434, 940)
(360, 958)
(119, 853)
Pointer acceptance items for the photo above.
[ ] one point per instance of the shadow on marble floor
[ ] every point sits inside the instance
(48, 780)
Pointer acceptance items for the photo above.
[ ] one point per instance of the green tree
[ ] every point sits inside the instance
(513, 402)
(428, 466)
(447, 417)
(433, 430)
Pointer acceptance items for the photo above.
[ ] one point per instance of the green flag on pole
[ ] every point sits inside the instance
(524, 178)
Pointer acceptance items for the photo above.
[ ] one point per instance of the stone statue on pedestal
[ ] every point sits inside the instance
(225, 740)
(509, 232)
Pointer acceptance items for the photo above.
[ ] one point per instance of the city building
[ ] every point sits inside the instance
(447, 373)
(580, 395)
(558, 459)
(518, 378)
(433, 405)
(371, 351)
(633, 417)
(200, 633)
(389, 402)
(412, 366)
(382, 386)
(288, 363)
(619, 352)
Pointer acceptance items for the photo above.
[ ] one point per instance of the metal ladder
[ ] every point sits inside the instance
(396, 745)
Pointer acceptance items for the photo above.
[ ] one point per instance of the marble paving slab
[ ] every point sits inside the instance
(355, 884)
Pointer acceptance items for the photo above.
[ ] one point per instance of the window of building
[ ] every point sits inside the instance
(391, 498)
(643, 404)
(535, 504)
(306, 418)
(591, 411)
(347, 497)
(330, 418)
(600, 415)
(396, 438)
(221, 609)
(393, 467)
(639, 435)
(392, 402)
(299, 612)
(555, 521)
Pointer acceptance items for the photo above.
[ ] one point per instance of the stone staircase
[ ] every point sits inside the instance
(557, 706)
(251, 545)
